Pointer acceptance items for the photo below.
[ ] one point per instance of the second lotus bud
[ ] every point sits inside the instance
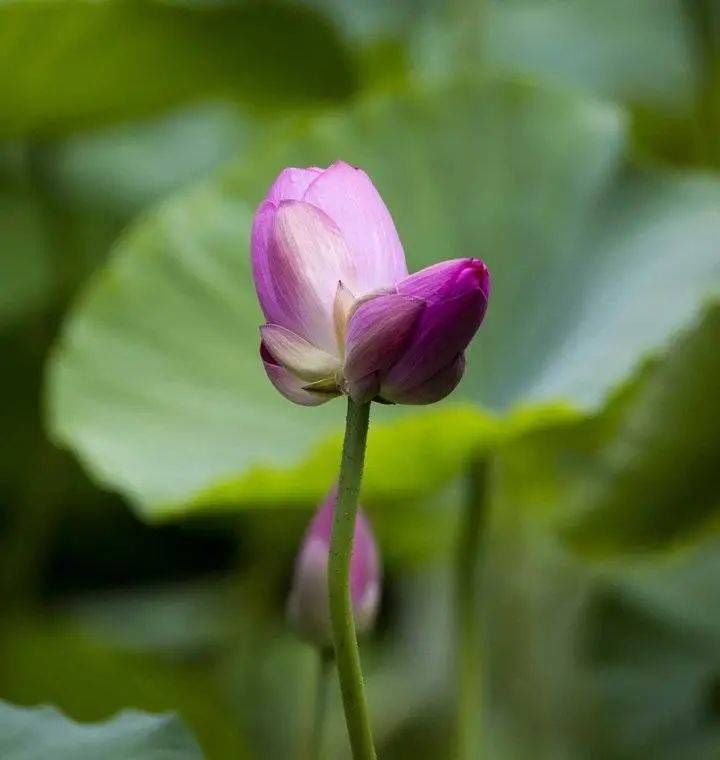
(308, 605)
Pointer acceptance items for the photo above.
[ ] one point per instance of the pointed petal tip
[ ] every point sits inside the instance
(478, 271)
(342, 307)
(448, 279)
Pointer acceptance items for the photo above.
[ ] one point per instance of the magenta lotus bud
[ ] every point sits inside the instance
(308, 605)
(343, 315)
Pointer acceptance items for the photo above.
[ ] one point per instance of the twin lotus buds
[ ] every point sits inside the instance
(343, 315)
(308, 605)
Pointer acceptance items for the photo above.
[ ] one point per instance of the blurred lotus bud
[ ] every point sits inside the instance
(308, 606)
(343, 315)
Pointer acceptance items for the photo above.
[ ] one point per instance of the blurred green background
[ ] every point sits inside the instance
(154, 487)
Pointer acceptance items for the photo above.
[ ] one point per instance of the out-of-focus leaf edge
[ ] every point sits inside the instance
(424, 451)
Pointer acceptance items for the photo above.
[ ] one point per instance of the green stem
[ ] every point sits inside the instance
(24, 551)
(704, 17)
(467, 737)
(315, 741)
(347, 655)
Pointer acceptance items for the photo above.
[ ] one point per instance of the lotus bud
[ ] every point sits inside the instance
(343, 315)
(308, 606)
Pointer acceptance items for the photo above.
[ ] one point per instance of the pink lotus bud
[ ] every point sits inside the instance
(343, 316)
(308, 606)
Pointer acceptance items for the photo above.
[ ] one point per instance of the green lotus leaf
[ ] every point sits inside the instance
(147, 56)
(36, 733)
(156, 382)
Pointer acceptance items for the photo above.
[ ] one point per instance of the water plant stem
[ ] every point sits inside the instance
(704, 18)
(347, 655)
(467, 647)
(317, 730)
